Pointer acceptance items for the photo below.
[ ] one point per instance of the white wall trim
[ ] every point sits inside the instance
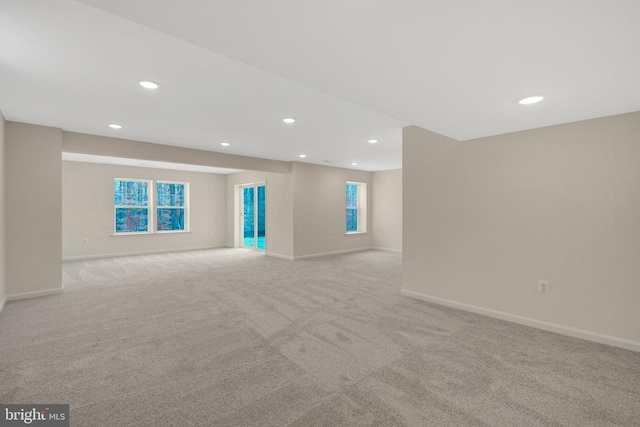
(1, 305)
(387, 249)
(323, 254)
(34, 294)
(155, 251)
(547, 326)
(287, 257)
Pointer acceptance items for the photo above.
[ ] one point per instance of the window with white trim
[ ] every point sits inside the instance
(356, 201)
(172, 206)
(131, 200)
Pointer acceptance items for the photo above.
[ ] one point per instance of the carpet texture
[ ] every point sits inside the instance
(234, 338)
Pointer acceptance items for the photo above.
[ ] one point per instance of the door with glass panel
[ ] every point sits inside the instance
(254, 222)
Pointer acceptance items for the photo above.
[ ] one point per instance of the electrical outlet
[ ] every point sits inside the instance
(543, 286)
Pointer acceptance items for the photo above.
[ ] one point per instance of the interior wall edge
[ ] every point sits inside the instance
(33, 209)
(3, 195)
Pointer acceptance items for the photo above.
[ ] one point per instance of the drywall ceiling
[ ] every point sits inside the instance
(454, 67)
(68, 65)
(121, 161)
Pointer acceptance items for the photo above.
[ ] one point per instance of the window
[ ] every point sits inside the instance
(172, 206)
(131, 203)
(356, 207)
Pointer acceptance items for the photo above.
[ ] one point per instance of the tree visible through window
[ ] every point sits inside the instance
(171, 206)
(131, 202)
(356, 207)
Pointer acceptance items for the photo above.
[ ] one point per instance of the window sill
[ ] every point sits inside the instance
(149, 234)
(355, 233)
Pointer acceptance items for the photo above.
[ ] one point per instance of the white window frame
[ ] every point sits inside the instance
(185, 207)
(362, 208)
(150, 219)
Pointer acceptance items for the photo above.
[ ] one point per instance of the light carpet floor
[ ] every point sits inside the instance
(235, 338)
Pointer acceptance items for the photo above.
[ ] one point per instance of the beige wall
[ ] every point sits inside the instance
(33, 210)
(386, 208)
(279, 210)
(87, 211)
(3, 291)
(319, 222)
(113, 147)
(488, 218)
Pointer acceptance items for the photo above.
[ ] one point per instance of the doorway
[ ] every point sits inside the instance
(253, 224)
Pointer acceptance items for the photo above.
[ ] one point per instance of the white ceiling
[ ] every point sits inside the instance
(121, 161)
(231, 70)
(454, 67)
(68, 65)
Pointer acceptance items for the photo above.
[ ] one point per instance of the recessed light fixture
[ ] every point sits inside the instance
(302, 156)
(354, 164)
(225, 144)
(372, 141)
(115, 126)
(528, 100)
(289, 120)
(149, 84)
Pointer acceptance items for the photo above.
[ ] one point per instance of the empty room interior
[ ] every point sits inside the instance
(235, 213)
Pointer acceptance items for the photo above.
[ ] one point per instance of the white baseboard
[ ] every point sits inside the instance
(547, 326)
(34, 294)
(287, 257)
(388, 250)
(152, 252)
(323, 254)
(1, 305)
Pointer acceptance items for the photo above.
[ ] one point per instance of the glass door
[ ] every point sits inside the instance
(261, 220)
(254, 221)
(249, 220)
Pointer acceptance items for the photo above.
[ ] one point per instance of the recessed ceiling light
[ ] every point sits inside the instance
(149, 84)
(354, 164)
(115, 126)
(226, 144)
(302, 156)
(372, 141)
(289, 120)
(530, 99)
